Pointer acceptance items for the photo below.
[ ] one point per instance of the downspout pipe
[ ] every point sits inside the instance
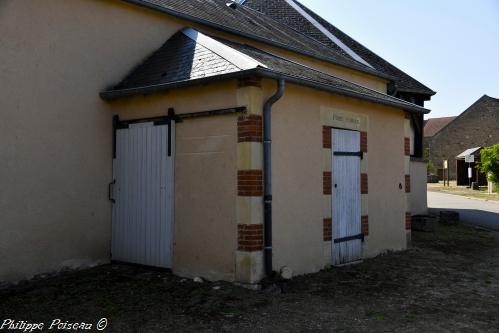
(267, 175)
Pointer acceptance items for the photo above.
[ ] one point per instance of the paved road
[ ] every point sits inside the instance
(479, 212)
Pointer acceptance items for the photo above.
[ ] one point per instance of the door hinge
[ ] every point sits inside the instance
(349, 238)
(110, 190)
(349, 153)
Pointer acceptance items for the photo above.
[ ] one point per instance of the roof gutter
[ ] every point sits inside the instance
(179, 14)
(146, 90)
(416, 91)
(267, 175)
(324, 87)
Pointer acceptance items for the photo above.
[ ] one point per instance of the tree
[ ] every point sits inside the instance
(489, 164)
(430, 168)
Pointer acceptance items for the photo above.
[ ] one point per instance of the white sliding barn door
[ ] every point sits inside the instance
(346, 199)
(142, 229)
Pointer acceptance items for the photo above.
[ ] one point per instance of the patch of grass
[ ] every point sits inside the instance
(375, 315)
(463, 191)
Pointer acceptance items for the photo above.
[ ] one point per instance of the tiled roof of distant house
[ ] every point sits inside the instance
(433, 125)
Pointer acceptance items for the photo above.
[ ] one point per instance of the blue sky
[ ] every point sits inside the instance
(451, 46)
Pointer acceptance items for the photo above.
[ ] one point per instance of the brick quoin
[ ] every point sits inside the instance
(249, 128)
(407, 183)
(327, 229)
(250, 183)
(250, 237)
(250, 82)
(363, 183)
(408, 220)
(363, 142)
(407, 146)
(326, 137)
(364, 220)
(326, 182)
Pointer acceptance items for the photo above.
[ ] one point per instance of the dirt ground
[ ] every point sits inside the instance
(447, 282)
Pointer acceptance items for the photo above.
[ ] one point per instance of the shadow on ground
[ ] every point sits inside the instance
(447, 281)
(478, 217)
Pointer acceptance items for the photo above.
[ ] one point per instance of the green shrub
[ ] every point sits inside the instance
(490, 162)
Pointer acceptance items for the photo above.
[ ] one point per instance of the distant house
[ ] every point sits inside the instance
(218, 139)
(446, 138)
(431, 127)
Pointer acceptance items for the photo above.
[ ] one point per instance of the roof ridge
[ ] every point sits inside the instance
(368, 49)
(238, 59)
(351, 53)
(343, 61)
(308, 37)
(490, 97)
(362, 45)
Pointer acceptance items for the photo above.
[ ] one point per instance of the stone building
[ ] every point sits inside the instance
(477, 126)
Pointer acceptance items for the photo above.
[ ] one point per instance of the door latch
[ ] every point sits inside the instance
(110, 190)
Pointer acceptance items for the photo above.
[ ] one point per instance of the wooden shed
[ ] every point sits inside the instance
(462, 173)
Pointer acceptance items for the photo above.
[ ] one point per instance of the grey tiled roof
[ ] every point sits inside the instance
(181, 61)
(289, 68)
(282, 12)
(252, 24)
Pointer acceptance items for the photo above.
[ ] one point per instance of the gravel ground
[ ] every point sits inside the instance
(447, 282)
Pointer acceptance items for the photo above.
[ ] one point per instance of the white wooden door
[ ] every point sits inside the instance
(142, 229)
(346, 204)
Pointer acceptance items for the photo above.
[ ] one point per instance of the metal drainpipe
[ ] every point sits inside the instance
(267, 175)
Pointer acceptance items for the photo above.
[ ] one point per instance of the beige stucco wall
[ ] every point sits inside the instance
(55, 133)
(297, 176)
(205, 176)
(418, 197)
(56, 147)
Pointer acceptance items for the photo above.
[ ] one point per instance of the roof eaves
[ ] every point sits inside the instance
(113, 94)
(344, 92)
(110, 95)
(236, 32)
(428, 92)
